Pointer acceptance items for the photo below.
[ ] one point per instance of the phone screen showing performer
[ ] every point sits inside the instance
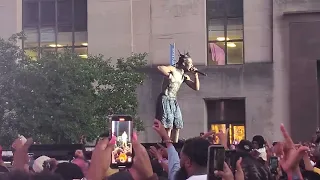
(273, 164)
(122, 154)
(216, 158)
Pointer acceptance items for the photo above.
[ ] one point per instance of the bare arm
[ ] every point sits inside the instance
(195, 85)
(166, 70)
(164, 166)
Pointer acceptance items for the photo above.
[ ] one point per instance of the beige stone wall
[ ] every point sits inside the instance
(281, 57)
(109, 27)
(117, 28)
(291, 6)
(257, 31)
(10, 17)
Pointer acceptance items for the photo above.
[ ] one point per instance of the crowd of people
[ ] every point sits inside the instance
(295, 161)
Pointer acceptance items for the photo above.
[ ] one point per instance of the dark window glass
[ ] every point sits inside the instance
(69, 16)
(65, 12)
(48, 13)
(235, 8)
(30, 14)
(65, 28)
(80, 15)
(216, 8)
(226, 111)
(214, 110)
(234, 110)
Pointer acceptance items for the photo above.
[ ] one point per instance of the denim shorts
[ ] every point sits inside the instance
(168, 112)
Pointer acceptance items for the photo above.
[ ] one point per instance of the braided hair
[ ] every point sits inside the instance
(182, 58)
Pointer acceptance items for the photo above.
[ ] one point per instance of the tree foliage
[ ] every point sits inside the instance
(62, 96)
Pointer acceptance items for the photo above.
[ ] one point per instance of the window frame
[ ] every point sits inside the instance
(226, 122)
(55, 25)
(225, 19)
(227, 125)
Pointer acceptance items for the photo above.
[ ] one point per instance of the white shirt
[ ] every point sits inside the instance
(198, 177)
(263, 153)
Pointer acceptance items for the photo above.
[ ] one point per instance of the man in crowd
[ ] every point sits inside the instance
(81, 161)
(194, 156)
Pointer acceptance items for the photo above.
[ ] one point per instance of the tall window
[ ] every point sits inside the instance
(225, 32)
(54, 25)
(227, 113)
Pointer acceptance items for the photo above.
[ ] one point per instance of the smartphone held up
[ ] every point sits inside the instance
(216, 159)
(274, 164)
(122, 129)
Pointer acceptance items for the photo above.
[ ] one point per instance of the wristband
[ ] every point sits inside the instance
(167, 141)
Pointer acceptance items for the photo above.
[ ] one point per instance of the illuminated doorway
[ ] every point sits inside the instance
(236, 132)
(227, 113)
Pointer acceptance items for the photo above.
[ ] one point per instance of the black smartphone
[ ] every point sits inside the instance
(274, 164)
(122, 129)
(231, 159)
(216, 159)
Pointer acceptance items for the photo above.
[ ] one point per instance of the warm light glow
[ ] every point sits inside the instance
(231, 45)
(222, 39)
(53, 45)
(84, 44)
(83, 55)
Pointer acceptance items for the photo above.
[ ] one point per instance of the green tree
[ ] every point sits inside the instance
(62, 96)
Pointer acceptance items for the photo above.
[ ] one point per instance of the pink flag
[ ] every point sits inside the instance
(217, 53)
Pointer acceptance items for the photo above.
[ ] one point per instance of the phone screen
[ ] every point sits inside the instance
(216, 158)
(231, 159)
(122, 154)
(273, 164)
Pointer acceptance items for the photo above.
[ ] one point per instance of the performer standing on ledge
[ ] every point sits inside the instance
(167, 108)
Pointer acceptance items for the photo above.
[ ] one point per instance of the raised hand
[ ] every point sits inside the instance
(292, 156)
(158, 127)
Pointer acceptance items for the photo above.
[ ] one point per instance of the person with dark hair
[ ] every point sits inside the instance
(252, 167)
(193, 159)
(69, 171)
(167, 108)
(259, 144)
(80, 160)
(193, 156)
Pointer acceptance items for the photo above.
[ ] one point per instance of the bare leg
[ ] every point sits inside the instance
(169, 132)
(175, 135)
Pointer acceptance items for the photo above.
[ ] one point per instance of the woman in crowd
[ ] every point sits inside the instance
(191, 165)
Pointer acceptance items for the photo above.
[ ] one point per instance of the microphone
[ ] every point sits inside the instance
(199, 72)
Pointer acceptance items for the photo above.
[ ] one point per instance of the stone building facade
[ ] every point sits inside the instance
(260, 57)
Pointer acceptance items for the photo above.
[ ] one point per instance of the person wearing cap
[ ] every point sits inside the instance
(252, 167)
(44, 163)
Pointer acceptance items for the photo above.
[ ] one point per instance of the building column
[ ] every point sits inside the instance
(257, 31)
(10, 17)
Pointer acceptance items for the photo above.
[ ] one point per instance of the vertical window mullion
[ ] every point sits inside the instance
(73, 22)
(22, 21)
(56, 26)
(39, 30)
(225, 31)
